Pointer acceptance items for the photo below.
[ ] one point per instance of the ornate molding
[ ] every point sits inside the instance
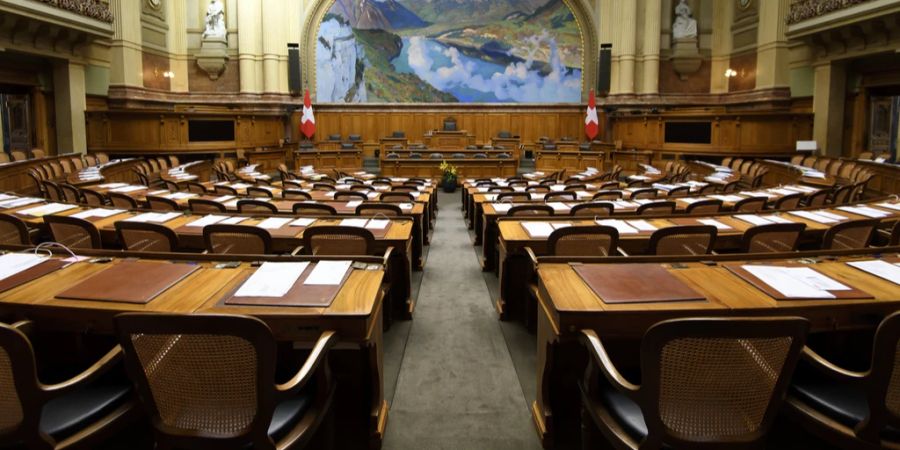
(807, 9)
(94, 9)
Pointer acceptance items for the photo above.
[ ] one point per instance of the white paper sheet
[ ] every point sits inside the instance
(714, 223)
(354, 203)
(883, 269)
(154, 217)
(558, 206)
(378, 224)
(223, 198)
(302, 222)
(502, 207)
(181, 195)
(98, 212)
(49, 208)
(865, 211)
(789, 281)
(112, 185)
(233, 220)
(272, 279)
(894, 206)
(359, 223)
(642, 225)
(831, 215)
(538, 229)
(728, 198)
(328, 273)
(17, 202)
(809, 215)
(13, 263)
(620, 225)
(558, 225)
(779, 219)
(207, 220)
(274, 223)
(753, 219)
(159, 192)
(125, 189)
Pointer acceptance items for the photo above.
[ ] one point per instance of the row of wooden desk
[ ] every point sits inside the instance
(354, 315)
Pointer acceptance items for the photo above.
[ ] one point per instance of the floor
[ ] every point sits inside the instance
(456, 377)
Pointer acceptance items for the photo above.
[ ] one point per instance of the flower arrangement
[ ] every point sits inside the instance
(450, 176)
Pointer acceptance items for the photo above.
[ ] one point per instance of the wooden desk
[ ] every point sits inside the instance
(386, 144)
(355, 315)
(267, 159)
(430, 168)
(630, 160)
(448, 139)
(569, 160)
(566, 305)
(343, 160)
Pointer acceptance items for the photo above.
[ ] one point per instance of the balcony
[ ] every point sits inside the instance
(834, 27)
(90, 18)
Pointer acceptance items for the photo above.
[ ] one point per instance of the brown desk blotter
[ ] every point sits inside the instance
(635, 283)
(129, 282)
(737, 269)
(32, 273)
(299, 294)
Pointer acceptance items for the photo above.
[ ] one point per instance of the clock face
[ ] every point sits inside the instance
(744, 4)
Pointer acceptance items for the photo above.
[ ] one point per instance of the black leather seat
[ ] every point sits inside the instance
(288, 412)
(68, 414)
(626, 412)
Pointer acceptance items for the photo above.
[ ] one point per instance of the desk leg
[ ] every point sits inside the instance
(515, 274)
(418, 233)
(477, 224)
(378, 413)
(488, 244)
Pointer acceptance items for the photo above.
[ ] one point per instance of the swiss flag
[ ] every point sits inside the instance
(591, 122)
(308, 120)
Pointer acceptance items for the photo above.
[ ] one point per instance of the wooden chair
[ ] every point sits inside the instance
(397, 197)
(514, 196)
(841, 195)
(707, 383)
(583, 241)
(386, 209)
(259, 192)
(895, 235)
(18, 155)
(530, 210)
(609, 186)
(80, 412)
(336, 240)
(73, 232)
(52, 191)
(498, 189)
(854, 234)
(70, 194)
(313, 209)
(350, 196)
(772, 238)
(122, 201)
(561, 196)
(608, 195)
(225, 239)
(295, 194)
(819, 198)
(644, 193)
(199, 205)
(323, 187)
(92, 197)
(146, 237)
(171, 185)
(195, 188)
(751, 204)
(683, 240)
(592, 209)
(13, 231)
(224, 190)
(256, 207)
(656, 208)
(208, 382)
(848, 408)
(680, 191)
(538, 189)
(791, 201)
(158, 203)
(710, 206)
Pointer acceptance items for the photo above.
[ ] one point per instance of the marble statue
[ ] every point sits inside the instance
(215, 20)
(685, 25)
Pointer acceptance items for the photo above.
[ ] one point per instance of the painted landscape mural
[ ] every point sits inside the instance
(468, 51)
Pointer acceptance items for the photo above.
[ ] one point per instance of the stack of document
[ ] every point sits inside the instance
(762, 220)
(154, 217)
(538, 229)
(642, 225)
(14, 263)
(865, 211)
(359, 223)
(302, 222)
(16, 202)
(272, 279)
(728, 198)
(98, 212)
(180, 195)
(620, 225)
(112, 185)
(207, 220)
(558, 206)
(502, 207)
(44, 210)
(223, 198)
(883, 269)
(894, 206)
(819, 216)
(274, 223)
(796, 282)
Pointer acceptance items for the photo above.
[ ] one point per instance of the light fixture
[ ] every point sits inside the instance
(730, 73)
(169, 74)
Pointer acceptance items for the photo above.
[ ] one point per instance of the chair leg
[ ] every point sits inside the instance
(591, 438)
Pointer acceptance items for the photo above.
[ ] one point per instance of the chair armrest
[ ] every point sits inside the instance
(297, 250)
(830, 369)
(100, 367)
(622, 252)
(387, 256)
(24, 326)
(598, 353)
(531, 256)
(315, 358)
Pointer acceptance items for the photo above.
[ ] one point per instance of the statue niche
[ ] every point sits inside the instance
(686, 54)
(214, 41)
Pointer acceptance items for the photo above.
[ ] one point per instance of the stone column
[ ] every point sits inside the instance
(828, 108)
(606, 35)
(176, 16)
(127, 66)
(723, 16)
(772, 51)
(627, 40)
(273, 22)
(249, 48)
(70, 103)
(652, 12)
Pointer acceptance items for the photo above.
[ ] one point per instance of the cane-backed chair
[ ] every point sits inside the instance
(561, 196)
(656, 208)
(386, 209)
(597, 240)
(530, 210)
(92, 197)
(593, 209)
(158, 203)
(708, 206)
(146, 237)
(122, 201)
(13, 231)
(70, 194)
(337, 240)
(228, 239)
(751, 204)
(608, 195)
(256, 207)
(854, 234)
(73, 232)
(295, 194)
(52, 191)
(683, 240)
(199, 205)
(772, 238)
(313, 209)
(791, 201)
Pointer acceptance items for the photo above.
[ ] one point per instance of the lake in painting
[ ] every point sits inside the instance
(467, 51)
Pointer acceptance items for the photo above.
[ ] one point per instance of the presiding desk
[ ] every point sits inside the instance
(339, 159)
(448, 139)
(468, 167)
(567, 305)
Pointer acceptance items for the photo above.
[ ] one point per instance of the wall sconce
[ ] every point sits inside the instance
(729, 73)
(168, 74)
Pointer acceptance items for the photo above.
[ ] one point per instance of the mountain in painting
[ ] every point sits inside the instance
(470, 11)
(376, 15)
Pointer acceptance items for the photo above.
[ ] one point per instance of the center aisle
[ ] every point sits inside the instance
(457, 387)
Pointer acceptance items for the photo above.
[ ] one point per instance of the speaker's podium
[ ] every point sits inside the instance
(449, 138)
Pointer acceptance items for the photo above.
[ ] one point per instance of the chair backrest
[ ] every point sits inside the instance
(644, 193)
(196, 188)
(314, 209)
(841, 195)
(162, 204)
(202, 378)
(538, 188)
(254, 191)
(171, 185)
(710, 382)
(530, 210)
(593, 209)
(73, 232)
(120, 200)
(709, 206)
(656, 208)
(608, 195)
(336, 240)
(256, 206)
(20, 391)
(514, 196)
(772, 238)
(751, 204)
(146, 237)
(596, 240)
(791, 201)
(558, 196)
(818, 198)
(52, 191)
(13, 231)
(680, 191)
(228, 239)
(854, 234)
(731, 186)
(199, 205)
(895, 235)
(70, 194)
(350, 195)
(683, 240)
(396, 197)
(225, 190)
(295, 194)
(323, 187)
(92, 197)
(386, 209)
(18, 155)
